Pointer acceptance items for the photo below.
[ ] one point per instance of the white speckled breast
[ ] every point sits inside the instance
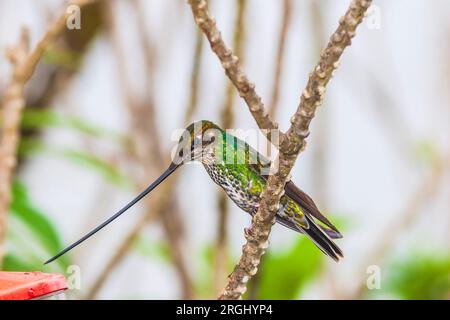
(233, 188)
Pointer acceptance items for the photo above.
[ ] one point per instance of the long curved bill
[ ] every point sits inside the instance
(166, 173)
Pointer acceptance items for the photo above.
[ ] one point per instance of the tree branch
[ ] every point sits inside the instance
(143, 119)
(24, 63)
(232, 66)
(161, 205)
(290, 147)
(227, 115)
(195, 76)
(279, 60)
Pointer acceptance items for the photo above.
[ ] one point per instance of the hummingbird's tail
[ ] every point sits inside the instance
(322, 240)
(318, 234)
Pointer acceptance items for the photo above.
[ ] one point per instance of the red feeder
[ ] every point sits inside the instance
(31, 285)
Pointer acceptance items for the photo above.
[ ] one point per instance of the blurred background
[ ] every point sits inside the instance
(104, 103)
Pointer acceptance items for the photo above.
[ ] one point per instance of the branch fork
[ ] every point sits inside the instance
(291, 143)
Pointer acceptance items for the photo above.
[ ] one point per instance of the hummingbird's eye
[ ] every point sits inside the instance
(209, 139)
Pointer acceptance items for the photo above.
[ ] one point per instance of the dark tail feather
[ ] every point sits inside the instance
(322, 241)
(331, 233)
(318, 236)
(291, 225)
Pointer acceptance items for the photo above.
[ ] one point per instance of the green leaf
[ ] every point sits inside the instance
(12, 262)
(29, 146)
(426, 152)
(41, 231)
(110, 172)
(152, 248)
(37, 221)
(43, 118)
(203, 283)
(421, 276)
(62, 57)
(285, 273)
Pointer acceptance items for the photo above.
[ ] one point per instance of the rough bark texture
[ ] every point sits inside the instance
(232, 66)
(24, 64)
(290, 147)
(227, 115)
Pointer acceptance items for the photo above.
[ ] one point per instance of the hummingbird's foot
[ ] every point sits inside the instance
(248, 231)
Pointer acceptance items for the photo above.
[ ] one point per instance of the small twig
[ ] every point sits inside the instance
(290, 147)
(24, 63)
(279, 60)
(144, 125)
(172, 220)
(232, 66)
(195, 76)
(227, 115)
(130, 239)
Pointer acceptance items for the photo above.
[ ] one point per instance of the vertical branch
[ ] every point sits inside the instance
(52, 80)
(290, 147)
(195, 76)
(151, 158)
(11, 107)
(172, 220)
(279, 59)
(221, 257)
(161, 204)
(12, 104)
(232, 66)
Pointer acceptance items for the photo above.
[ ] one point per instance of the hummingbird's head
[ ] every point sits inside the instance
(197, 142)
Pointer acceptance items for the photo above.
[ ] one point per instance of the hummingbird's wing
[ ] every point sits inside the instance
(262, 166)
(305, 201)
(303, 223)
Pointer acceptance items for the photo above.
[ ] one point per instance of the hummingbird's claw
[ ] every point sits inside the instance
(248, 231)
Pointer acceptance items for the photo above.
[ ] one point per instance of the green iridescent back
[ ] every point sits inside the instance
(242, 172)
(239, 159)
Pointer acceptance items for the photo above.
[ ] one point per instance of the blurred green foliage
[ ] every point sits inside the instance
(204, 280)
(31, 146)
(285, 273)
(152, 248)
(60, 57)
(426, 152)
(32, 237)
(421, 276)
(44, 118)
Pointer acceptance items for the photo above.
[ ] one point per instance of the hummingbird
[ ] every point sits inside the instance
(242, 172)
